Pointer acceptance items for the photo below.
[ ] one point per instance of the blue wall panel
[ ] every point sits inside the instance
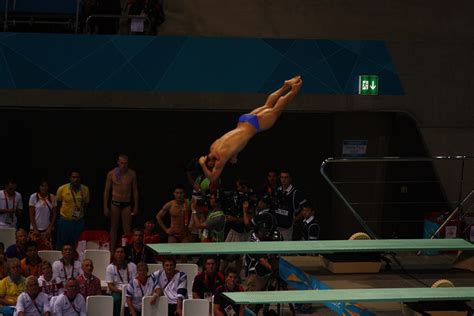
(190, 64)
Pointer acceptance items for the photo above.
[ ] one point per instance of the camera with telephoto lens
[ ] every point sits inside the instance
(201, 199)
(232, 201)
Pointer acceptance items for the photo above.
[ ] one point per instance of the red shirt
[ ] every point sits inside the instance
(89, 287)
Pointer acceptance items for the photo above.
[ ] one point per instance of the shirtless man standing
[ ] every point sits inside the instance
(228, 146)
(123, 182)
(180, 215)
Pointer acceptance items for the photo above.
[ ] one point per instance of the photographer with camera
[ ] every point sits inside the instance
(211, 225)
(259, 268)
(232, 205)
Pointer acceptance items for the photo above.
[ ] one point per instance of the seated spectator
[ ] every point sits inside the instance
(31, 264)
(139, 287)
(137, 252)
(66, 268)
(18, 250)
(43, 214)
(150, 234)
(118, 274)
(3, 261)
(214, 224)
(70, 303)
(32, 302)
(89, 284)
(49, 286)
(222, 305)
(172, 284)
(206, 282)
(151, 8)
(11, 205)
(11, 287)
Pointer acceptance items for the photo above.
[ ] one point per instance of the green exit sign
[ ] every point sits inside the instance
(368, 84)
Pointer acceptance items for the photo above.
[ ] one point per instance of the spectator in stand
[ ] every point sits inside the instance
(137, 252)
(150, 234)
(118, 274)
(67, 267)
(89, 284)
(43, 214)
(31, 264)
(222, 305)
(172, 284)
(3, 262)
(70, 302)
(206, 282)
(121, 185)
(32, 302)
(212, 228)
(49, 285)
(18, 250)
(150, 8)
(11, 205)
(289, 213)
(271, 184)
(11, 286)
(139, 287)
(73, 199)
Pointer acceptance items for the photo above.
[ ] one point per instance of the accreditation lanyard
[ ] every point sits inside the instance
(142, 257)
(64, 269)
(44, 200)
(120, 276)
(74, 198)
(34, 303)
(73, 306)
(140, 285)
(6, 199)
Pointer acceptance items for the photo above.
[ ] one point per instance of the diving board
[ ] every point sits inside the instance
(316, 246)
(354, 295)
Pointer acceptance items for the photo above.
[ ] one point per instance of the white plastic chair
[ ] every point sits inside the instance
(124, 297)
(196, 307)
(152, 267)
(100, 259)
(7, 236)
(50, 255)
(160, 308)
(191, 270)
(100, 305)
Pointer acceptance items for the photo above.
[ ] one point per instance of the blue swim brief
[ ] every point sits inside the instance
(251, 119)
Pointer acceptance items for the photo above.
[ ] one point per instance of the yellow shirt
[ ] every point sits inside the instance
(72, 203)
(10, 291)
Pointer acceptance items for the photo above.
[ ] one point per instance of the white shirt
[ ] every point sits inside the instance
(179, 281)
(52, 287)
(9, 219)
(64, 273)
(63, 307)
(38, 307)
(137, 291)
(120, 277)
(43, 210)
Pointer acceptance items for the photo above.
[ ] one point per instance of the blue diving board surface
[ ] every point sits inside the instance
(317, 246)
(354, 295)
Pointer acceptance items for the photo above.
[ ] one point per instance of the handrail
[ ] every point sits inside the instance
(5, 22)
(116, 16)
(361, 221)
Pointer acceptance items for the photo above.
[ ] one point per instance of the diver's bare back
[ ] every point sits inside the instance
(231, 143)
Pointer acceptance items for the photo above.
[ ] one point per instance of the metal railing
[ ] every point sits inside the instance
(334, 185)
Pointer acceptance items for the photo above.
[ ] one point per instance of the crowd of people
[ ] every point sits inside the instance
(275, 211)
